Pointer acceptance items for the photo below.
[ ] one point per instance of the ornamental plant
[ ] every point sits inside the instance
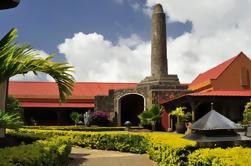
(100, 118)
(151, 116)
(247, 114)
(10, 120)
(75, 117)
(13, 106)
(179, 113)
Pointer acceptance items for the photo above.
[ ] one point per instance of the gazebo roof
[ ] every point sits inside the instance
(214, 121)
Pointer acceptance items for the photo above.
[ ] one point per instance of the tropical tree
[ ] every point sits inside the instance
(21, 58)
(150, 116)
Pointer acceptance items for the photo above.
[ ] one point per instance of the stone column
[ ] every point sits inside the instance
(158, 54)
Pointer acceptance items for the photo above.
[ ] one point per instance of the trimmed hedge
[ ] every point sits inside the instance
(218, 156)
(169, 149)
(120, 141)
(164, 148)
(79, 128)
(53, 151)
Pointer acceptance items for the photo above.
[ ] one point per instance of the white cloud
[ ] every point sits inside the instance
(97, 59)
(220, 31)
(135, 6)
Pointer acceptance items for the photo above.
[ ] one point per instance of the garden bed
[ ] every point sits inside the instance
(164, 148)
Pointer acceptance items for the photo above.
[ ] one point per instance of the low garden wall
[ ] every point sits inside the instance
(164, 148)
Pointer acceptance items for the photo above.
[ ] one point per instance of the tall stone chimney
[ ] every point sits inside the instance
(158, 54)
(159, 78)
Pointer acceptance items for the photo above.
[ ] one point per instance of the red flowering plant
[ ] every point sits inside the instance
(100, 118)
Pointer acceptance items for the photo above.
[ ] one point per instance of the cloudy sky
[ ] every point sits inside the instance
(109, 40)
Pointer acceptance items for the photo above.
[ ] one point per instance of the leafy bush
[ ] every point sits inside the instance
(169, 148)
(231, 156)
(150, 116)
(75, 117)
(164, 148)
(100, 118)
(79, 128)
(14, 106)
(53, 151)
(121, 141)
(9, 120)
(247, 113)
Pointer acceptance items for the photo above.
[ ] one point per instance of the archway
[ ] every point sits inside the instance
(130, 106)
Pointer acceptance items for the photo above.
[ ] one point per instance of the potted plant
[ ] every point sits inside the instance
(151, 116)
(182, 117)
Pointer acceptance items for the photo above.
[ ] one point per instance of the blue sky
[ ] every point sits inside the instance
(110, 40)
(45, 24)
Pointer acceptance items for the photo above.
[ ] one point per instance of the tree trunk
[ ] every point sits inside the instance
(3, 95)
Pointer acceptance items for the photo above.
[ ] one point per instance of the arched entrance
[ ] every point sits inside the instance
(130, 106)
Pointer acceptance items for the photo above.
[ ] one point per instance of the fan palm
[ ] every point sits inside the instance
(21, 58)
(150, 116)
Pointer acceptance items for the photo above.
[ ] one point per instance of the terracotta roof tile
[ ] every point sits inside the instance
(222, 93)
(50, 90)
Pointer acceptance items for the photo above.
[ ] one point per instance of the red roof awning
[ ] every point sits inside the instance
(56, 105)
(244, 93)
(237, 93)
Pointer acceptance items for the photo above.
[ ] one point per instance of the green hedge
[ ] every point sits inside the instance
(164, 148)
(53, 151)
(80, 128)
(120, 141)
(169, 148)
(218, 156)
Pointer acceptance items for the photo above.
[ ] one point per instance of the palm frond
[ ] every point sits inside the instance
(20, 59)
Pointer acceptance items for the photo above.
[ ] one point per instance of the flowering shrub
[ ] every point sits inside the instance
(231, 156)
(164, 148)
(100, 118)
(169, 148)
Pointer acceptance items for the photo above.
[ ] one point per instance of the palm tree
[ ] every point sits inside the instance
(151, 116)
(20, 59)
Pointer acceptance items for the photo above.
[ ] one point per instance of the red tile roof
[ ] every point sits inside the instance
(243, 93)
(50, 90)
(213, 73)
(45, 94)
(56, 105)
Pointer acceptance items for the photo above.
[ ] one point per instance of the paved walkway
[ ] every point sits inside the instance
(93, 157)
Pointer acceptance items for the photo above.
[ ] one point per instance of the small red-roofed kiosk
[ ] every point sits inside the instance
(227, 85)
